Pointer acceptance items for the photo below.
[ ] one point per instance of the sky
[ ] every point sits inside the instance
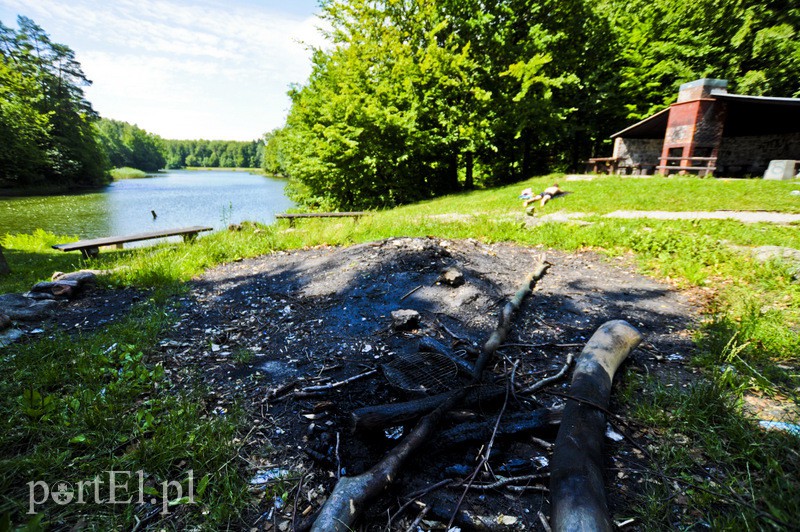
(185, 69)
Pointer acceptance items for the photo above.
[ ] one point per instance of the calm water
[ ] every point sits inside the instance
(179, 198)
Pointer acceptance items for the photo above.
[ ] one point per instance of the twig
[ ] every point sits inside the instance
(419, 518)
(505, 481)
(545, 523)
(311, 391)
(544, 382)
(546, 344)
(413, 496)
(410, 292)
(296, 497)
(484, 459)
(542, 443)
(338, 460)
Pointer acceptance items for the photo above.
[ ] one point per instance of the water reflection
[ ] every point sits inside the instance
(179, 198)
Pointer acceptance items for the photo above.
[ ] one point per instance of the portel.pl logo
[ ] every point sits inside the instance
(113, 488)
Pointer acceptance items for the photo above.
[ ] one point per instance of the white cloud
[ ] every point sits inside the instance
(184, 69)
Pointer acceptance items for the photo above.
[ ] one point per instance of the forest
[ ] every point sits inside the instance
(417, 98)
(47, 133)
(51, 136)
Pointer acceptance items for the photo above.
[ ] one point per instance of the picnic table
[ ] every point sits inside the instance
(90, 248)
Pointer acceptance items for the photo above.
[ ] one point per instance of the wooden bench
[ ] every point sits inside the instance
(90, 248)
(293, 216)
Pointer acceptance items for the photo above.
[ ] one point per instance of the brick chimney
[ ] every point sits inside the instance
(694, 128)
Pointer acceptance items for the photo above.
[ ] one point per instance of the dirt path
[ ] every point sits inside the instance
(742, 216)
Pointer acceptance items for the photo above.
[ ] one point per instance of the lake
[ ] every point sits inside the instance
(179, 198)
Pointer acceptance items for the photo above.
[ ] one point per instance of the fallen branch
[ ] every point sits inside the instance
(311, 391)
(351, 494)
(544, 382)
(576, 474)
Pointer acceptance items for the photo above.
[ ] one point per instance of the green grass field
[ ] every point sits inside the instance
(749, 342)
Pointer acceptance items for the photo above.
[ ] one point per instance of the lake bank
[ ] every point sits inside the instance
(179, 198)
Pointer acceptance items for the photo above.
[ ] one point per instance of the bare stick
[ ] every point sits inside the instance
(410, 292)
(311, 391)
(544, 382)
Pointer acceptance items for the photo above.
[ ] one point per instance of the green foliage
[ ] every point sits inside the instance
(128, 145)
(75, 408)
(214, 153)
(414, 99)
(127, 172)
(46, 124)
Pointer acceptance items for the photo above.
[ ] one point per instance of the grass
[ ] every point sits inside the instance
(76, 408)
(729, 474)
(126, 172)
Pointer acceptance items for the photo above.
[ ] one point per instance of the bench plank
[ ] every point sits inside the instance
(294, 215)
(90, 247)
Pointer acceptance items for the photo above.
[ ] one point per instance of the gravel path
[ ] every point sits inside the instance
(742, 216)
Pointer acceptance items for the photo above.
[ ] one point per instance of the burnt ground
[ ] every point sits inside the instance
(254, 331)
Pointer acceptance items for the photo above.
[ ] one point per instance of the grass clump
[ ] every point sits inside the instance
(126, 172)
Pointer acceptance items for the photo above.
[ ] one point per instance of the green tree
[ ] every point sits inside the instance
(47, 122)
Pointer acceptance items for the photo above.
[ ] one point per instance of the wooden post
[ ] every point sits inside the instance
(4, 269)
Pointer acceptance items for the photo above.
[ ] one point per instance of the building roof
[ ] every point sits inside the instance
(745, 116)
(652, 127)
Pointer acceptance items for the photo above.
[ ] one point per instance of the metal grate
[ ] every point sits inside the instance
(429, 373)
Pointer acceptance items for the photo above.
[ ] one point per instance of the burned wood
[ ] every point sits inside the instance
(351, 494)
(428, 344)
(576, 482)
(389, 415)
(513, 424)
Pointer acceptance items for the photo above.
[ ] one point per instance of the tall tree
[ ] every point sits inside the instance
(45, 115)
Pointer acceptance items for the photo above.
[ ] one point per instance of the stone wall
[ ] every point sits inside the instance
(638, 153)
(741, 156)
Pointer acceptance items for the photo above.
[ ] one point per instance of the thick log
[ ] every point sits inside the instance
(351, 494)
(576, 474)
(393, 414)
(514, 424)
(4, 269)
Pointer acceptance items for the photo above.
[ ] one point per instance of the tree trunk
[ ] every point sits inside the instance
(469, 163)
(576, 475)
(4, 269)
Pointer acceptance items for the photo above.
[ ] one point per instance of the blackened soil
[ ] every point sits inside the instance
(254, 331)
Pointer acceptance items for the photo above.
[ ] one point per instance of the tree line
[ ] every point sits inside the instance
(51, 135)
(214, 153)
(415, 98)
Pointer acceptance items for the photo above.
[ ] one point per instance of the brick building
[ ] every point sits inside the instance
(709, 130)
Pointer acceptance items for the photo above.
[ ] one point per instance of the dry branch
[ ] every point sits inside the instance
(351, 494)
(576, 475)
(311, 391)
